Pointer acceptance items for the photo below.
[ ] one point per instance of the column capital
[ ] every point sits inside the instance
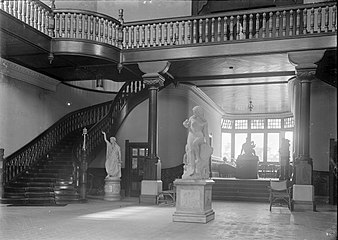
(154, 67)
(153, 80)
(306, 75)
(306, 59)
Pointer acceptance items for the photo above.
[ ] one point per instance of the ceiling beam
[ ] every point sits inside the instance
(236, 84)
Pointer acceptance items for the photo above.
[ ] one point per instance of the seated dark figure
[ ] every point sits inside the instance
(248, 148)
(247, 162)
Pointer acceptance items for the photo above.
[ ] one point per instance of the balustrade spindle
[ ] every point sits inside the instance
(86, 25)
(137, 36)
(69, 22)
(160, 34)
(177, 33)
(16, 9)
(171, 33)
(2, 4)
(132, 39)
(219, 31)
(291, 23)
(101, 20)
(80, 25)
(225, 29)
(213, 30)
(74, 25)
(334, 18)
(244, 26)
(31, 14)
(188, 39)
(238, 27)
(97, 28)
(277, 23)
(114, 34)
(257, 25)
(127, 44)
(165, 34)
(231, 28)
(194, 36)
(63, 24)
(57, 25)
(91, 27)
(36, 16)
(250, 25)
(5, 5)
(319, 20)
(264, 25)
(23, 10)
(10, 9)
(297, 21)
(270, 24)
(200, 31)
(19, 9)
(183, 33)
(44, 21)
(28, 12)
(284, 23)
(143, 35)
(206, 36)
(312, 20)
(305, 21)
(39, 19)
(148, 35)
(326, 27)
(154, 34)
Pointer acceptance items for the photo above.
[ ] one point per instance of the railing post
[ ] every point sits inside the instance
(83, 168)
(120, 29)
(51, 23)
(1, 172)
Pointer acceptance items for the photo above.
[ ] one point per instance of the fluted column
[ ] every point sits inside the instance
(154, 81)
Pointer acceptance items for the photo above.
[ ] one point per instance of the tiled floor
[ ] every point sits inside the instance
(100, 220)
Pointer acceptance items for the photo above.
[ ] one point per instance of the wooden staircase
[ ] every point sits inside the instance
(231, 189)
(51, 181)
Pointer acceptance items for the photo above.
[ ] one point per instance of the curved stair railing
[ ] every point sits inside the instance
(29, 154)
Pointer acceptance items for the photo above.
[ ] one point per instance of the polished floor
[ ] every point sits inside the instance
(100, 220)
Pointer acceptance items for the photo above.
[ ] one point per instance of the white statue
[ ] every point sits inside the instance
(113, 157)
(197, 150)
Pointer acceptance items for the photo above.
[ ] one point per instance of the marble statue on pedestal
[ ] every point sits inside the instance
(113, 157)
(247, 161)
(198, 149)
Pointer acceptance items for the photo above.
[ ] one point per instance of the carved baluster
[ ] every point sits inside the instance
(69, 22)
(189, 32)
(74, 25)
(137, 36)
(225, 29)
(219, 33)
(63, 24)
(5, 5)
(10, 7)
(154, 35)
(206, 36)
(297, 22)
(319, 20)
(114, 34)
(91, 27)
(43, 21)
(28, 11)
(326, 28)
(97, 28)
(200, 33)
(57, 25)
(284, 23)
(250, 26)
(277, 23)
(24, 10)
(194, 31)
(183, 33)
(334, 18)
(127, 44)
(148, 35)
(257, 25)
(159, 34)
(171, 33)
(238, 27)
(305, 21)
(19, 9)
(32, 14)
(40, 19)
(291, 23)
(165, 34)
(177, 33)
(132, 39)
(264, 25)
(312, 20)
(2, 5)
(86, 25)
(143, 35)
(80, 25)
(270, 24)
(36, 16)
(244, 26)
(101, 28)
(231, 28)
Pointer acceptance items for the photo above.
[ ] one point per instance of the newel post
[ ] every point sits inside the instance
(83, 167)
(1, 172)
(51, 20)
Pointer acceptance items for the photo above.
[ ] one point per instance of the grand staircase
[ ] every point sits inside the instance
(47, 170)
(231, 189)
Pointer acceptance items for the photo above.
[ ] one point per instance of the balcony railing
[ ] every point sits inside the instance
(256, 24)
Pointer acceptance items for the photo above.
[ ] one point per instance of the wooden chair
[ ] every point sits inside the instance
(167, 197)
(280, 192)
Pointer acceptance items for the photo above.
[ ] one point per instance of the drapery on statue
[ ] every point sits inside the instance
(197, 149)
(113, 157)
(248, 148)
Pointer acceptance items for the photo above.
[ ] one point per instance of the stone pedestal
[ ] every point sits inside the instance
(149, 191)
(193, 201)
(112, 188)
(247, 167)
(303, 198)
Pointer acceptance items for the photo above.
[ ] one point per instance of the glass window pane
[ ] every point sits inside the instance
(226, 146)
(273, 147)
(289, 136)
(257, 124)
(241, 124)
(274, 123)
(226, 124)
(240, 138)
(258, 139)
(288, 122)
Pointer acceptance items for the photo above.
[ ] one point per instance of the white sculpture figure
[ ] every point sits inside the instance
(198, 150)
(113, 157)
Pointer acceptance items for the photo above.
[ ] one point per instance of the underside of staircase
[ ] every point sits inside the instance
(50, 181)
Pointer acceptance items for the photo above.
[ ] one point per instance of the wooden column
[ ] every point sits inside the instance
(154, 81)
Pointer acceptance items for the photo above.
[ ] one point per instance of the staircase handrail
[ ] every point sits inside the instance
(26, 156)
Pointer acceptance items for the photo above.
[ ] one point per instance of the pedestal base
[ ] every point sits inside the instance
(149, 191)
(247, 167)
(193, 201)
(112, 189)
(303, 198)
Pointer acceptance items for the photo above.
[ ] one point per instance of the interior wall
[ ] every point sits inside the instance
(323, 123)
(27, 110)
